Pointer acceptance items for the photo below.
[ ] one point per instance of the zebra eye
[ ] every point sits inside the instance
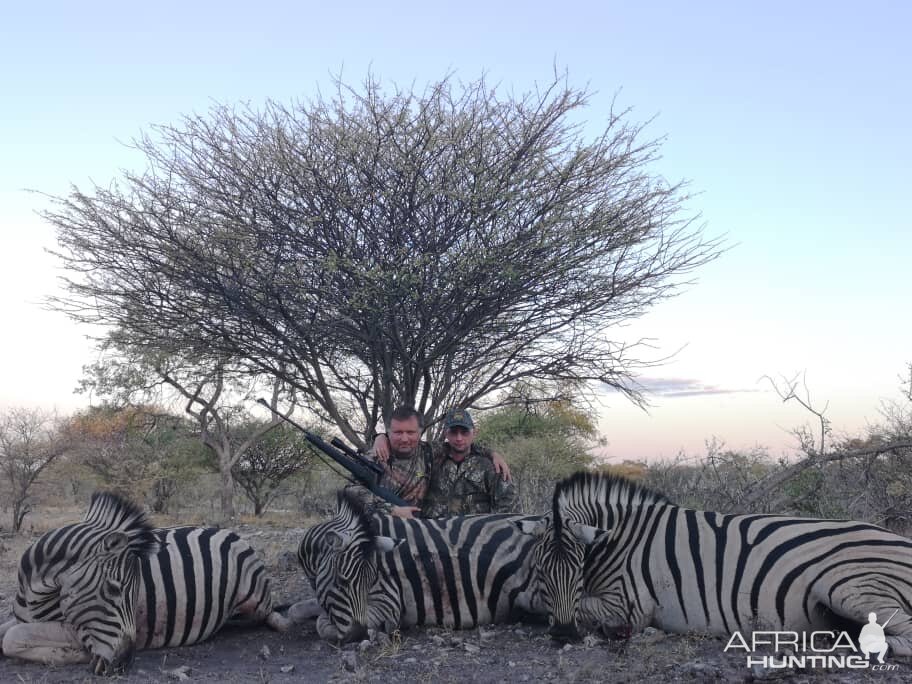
(112, 588)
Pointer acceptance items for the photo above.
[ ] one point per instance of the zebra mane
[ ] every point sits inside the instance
(584, 488)
(112, 512)
(358, 519)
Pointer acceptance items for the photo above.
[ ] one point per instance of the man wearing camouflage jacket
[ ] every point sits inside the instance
(407, 463)
(463, 478)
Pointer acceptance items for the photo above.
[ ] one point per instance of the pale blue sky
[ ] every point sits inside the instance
(789, 119)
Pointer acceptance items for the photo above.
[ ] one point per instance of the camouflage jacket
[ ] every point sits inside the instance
(407, 476)
(471, 486)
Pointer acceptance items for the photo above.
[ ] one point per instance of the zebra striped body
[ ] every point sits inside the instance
(200, 579)
(387, 573)
(78, 602)
(686, 570)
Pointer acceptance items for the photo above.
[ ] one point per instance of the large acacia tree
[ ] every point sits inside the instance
(380, 246)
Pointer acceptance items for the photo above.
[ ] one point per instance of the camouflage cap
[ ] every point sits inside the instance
(458, 417)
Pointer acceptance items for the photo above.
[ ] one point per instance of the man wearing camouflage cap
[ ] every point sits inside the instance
(463, 478)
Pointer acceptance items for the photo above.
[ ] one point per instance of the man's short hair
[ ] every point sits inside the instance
(405, 413)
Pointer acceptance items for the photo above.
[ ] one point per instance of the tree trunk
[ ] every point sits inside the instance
(19, 512)
(227, 494)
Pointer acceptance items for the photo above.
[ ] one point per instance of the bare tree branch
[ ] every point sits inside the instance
(787, 389)
(763, 489)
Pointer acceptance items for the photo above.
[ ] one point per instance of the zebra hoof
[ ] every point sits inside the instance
(279, 622)
(304, 610)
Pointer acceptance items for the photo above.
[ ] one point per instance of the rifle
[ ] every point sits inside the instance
(366, 472)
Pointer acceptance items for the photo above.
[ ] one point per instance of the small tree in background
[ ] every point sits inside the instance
(216, 420)
(269, 462)
(543, 439)
(866, 477)
(873, 478)
(716, 481)
(214, 394)
(797, 484)
(29, 442)
(142, 451)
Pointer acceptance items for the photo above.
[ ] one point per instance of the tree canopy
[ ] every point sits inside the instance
(383, 246)
(144, 452)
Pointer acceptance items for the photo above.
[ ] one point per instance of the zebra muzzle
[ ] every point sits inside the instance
(563, 632)
(357, 632)
(123, 658)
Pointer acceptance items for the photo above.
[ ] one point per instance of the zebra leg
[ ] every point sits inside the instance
(278, 622)
(326, 630)
(261, 611)
(4, 628)
(51, 643)
(304, 610)
(272, 618)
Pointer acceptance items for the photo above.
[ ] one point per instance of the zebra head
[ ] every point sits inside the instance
(340, 557)
(99, 584)
(558, 564)
(586, 525)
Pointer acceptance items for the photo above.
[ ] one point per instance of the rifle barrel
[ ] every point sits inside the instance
(364, 471)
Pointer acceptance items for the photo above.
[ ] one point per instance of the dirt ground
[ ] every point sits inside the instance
(514, 653)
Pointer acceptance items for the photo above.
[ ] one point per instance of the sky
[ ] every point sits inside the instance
(790, 121)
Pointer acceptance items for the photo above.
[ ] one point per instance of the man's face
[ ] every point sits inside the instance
(404, 435)
(460, 440)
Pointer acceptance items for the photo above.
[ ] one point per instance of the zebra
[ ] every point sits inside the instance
(96, 591)
(385, 573)
(623, 557)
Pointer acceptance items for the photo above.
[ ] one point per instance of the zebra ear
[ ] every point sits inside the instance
(115, 541)
(535, 528)
(585, 533)
(385, 544)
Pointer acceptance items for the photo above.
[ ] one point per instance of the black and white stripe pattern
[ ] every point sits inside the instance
(387, 573)
(685, 570)
(201, 578)
(87, 575)
(124, 585)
